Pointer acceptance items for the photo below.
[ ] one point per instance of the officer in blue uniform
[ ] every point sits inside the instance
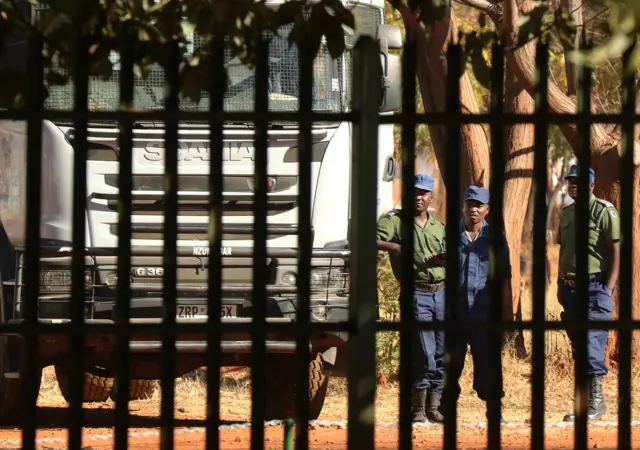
(603, 251)
(428, 300)
(474, 301)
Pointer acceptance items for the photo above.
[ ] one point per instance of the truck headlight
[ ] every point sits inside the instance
(59, 281)
(332, 281)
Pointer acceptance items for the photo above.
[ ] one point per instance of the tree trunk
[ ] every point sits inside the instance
(518, 173)
(604, 148)
(574, 8)
(474, 162)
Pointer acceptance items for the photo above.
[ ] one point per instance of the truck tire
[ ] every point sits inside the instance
(96, 388)
(11, 390)
(281, 388)
(100, 389)
(139, 389)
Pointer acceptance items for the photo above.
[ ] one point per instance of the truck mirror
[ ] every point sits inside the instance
(389, 37)
(392, 35)
(392, 84)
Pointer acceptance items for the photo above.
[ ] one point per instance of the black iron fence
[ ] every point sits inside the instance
(24, 318)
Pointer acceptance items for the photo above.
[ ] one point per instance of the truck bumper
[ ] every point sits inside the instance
(192, 335)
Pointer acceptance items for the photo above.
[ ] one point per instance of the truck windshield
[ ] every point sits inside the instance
(283, 84)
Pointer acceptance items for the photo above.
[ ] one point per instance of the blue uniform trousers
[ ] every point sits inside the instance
(600, 307)
(479, 342)
(428, 348)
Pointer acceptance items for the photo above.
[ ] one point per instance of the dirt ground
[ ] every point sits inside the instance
(329, 432)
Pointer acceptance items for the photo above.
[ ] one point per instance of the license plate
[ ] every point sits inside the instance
(200, 311)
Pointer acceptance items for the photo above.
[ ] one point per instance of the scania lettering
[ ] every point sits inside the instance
(199, 151)
(331, 144)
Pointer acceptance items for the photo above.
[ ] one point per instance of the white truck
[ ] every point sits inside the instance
(331, 172)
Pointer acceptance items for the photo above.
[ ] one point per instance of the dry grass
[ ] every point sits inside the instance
(559, 378)
(236, 395)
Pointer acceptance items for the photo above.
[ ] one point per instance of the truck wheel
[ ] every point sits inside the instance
(281, 388)
(139, 389)
(96, 388)
(318, 383)
(11, 390)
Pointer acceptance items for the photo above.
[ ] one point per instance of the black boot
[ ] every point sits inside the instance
(417, 406)
(596, 407)
(433, 403)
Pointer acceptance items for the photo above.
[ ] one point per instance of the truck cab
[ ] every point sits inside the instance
(330, 217)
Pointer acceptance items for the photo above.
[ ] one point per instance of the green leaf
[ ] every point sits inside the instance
(566, 28)
(289, 11)
(482, 20)
(613, 48)
(142, 69)
(431, 11)
(56, 79)
(335, 39)
(531, 25)
(192, 85)
(481, 69)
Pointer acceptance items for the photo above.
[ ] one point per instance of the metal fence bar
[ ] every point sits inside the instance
(497, 239)
(363, 289)
(452, 266)
(259, 298)
(214, 293)
(625, 293)
(30, 364)
(170, 230)
(76, 360)
(407, 337)
(305, 245)
(582, 267)
(123, 288)
(539, 282)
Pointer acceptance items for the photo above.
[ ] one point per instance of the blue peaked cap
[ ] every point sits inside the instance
(424, 181)
(477, 193)
(573, 173)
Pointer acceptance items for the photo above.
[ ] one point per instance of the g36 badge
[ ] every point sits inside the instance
(148, 271)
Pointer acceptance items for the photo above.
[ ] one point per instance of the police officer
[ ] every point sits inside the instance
(475, 301)
(604, 264)
(428, 300)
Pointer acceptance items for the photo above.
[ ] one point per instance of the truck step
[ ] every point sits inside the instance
(9, 283)
(12, 375)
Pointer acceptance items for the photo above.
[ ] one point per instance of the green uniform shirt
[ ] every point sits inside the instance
(604, 228)
(428, 241)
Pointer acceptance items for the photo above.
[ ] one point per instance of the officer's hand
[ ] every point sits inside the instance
(439, 259)
(395, 248)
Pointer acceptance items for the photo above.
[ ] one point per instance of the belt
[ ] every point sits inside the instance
(425, 287)
(570, 280)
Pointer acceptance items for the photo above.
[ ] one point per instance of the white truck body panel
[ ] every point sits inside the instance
(330, 179)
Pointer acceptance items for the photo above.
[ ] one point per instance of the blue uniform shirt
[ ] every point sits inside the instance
(475, 266)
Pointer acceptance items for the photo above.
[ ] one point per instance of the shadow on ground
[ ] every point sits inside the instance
(58, 417)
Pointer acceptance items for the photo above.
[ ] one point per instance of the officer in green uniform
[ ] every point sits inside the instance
(428, 299)
(604, 264)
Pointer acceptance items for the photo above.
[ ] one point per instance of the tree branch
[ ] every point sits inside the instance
(432, 79)
(522, 60)
(493, 10)
(574, 8)
(510, 25)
